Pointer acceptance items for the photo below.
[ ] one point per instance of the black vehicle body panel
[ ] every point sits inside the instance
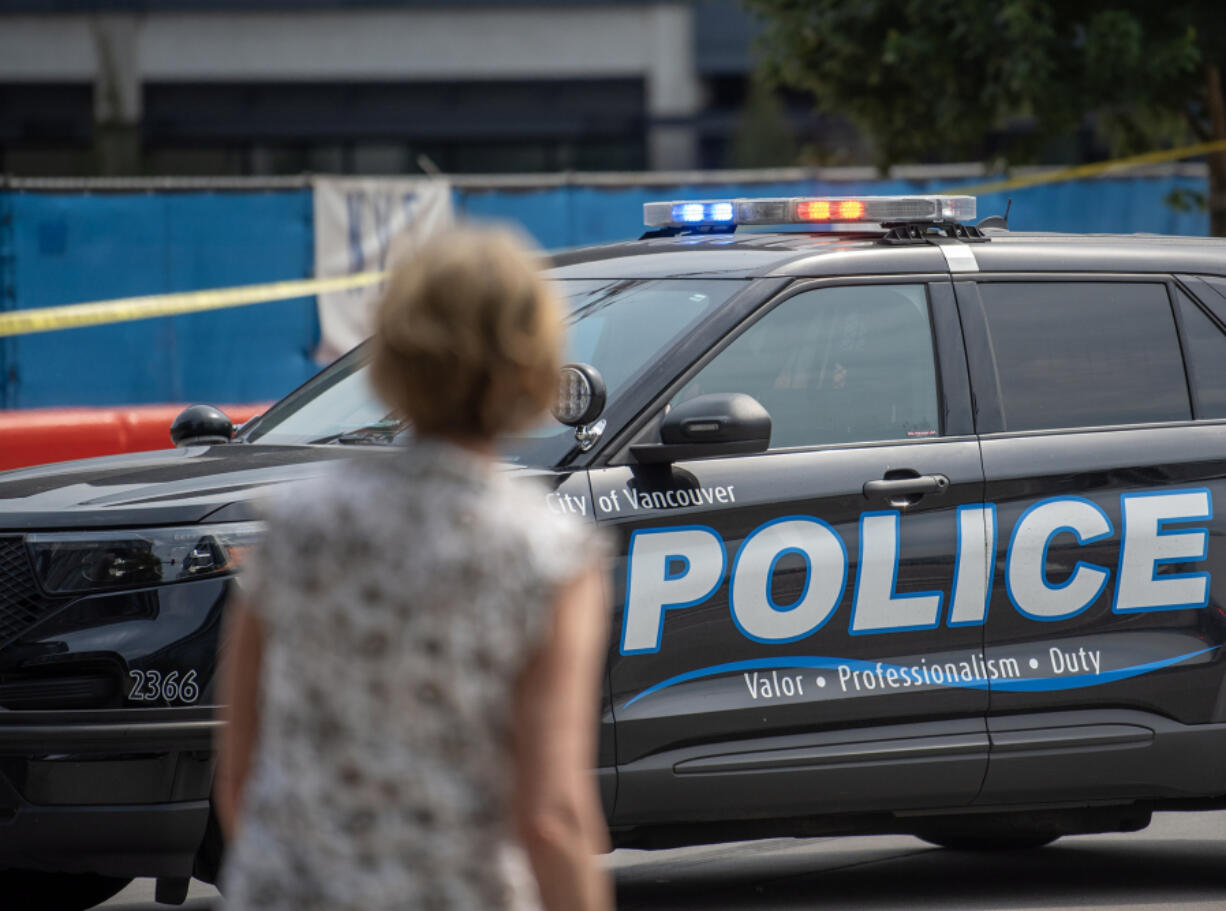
(691, 747)
(124, 791)
(93, 776)
(670, 732)
(151, 488)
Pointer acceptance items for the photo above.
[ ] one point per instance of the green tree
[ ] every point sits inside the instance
(763, 138)
(930, 78)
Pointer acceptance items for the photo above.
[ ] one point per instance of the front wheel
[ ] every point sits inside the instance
(57, 891)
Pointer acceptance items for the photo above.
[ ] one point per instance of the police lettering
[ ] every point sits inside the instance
(678, 568)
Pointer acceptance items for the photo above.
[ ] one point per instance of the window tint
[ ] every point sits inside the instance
(619, 326)
(1083, 354)
(1205, 349)
(835, 365)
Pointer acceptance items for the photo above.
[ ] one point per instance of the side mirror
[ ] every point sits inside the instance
(725, 423)
(200, 425)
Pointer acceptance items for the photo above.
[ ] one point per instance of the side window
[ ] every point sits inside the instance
(1205, 349)
(1084, 354)
(835, 365)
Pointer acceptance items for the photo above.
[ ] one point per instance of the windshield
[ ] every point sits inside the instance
(617, 325)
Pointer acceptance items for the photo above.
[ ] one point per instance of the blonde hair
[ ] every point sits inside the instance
(467, 335)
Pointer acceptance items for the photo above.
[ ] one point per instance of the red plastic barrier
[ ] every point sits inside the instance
(37, 435)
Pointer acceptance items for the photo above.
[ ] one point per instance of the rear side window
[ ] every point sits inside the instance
(1205, 347)
(835, 365)
(1085, 354)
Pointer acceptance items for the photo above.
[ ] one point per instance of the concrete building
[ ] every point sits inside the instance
(376, 86)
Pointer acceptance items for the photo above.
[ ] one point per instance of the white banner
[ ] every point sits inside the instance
(361, 225)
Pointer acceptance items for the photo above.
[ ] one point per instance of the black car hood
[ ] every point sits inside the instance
(169, 487)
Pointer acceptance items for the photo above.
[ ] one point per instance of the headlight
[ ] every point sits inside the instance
(98, 560)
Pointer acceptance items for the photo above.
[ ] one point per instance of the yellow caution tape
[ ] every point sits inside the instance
(71, 316)
(1096, 169)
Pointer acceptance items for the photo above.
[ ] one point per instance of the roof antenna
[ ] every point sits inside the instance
(998, 221)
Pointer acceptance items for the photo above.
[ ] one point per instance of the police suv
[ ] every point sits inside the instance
(917, 535)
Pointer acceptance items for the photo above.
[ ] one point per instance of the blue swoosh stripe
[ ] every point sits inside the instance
(1033, 684)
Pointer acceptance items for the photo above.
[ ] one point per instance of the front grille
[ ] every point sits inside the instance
(21, 605)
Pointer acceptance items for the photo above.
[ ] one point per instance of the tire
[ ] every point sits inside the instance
(988, 842)
(57, 891)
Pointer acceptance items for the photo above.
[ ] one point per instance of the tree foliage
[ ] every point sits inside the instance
(763, 137)
(925, 79)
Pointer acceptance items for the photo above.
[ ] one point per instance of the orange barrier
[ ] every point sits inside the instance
(37, 435)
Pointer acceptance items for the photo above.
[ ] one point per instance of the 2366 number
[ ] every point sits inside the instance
(153, 686)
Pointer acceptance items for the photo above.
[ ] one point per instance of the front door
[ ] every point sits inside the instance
(800, 631)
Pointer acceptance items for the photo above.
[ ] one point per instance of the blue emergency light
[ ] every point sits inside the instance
(703, 213)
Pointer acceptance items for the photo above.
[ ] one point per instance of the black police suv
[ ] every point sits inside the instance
(918, 531)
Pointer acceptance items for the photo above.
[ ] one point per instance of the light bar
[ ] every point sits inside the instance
(809, 210)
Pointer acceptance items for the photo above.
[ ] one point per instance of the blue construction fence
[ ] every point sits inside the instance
(62, 246)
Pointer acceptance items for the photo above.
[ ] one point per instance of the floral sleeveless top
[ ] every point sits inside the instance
(400, 598)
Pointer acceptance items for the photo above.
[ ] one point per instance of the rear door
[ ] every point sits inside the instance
(1102, 469)
(793, 636)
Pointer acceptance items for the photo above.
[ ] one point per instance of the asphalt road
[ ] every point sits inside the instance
(1177, 864)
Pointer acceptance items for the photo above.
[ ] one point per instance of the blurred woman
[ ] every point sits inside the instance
(412, 669)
